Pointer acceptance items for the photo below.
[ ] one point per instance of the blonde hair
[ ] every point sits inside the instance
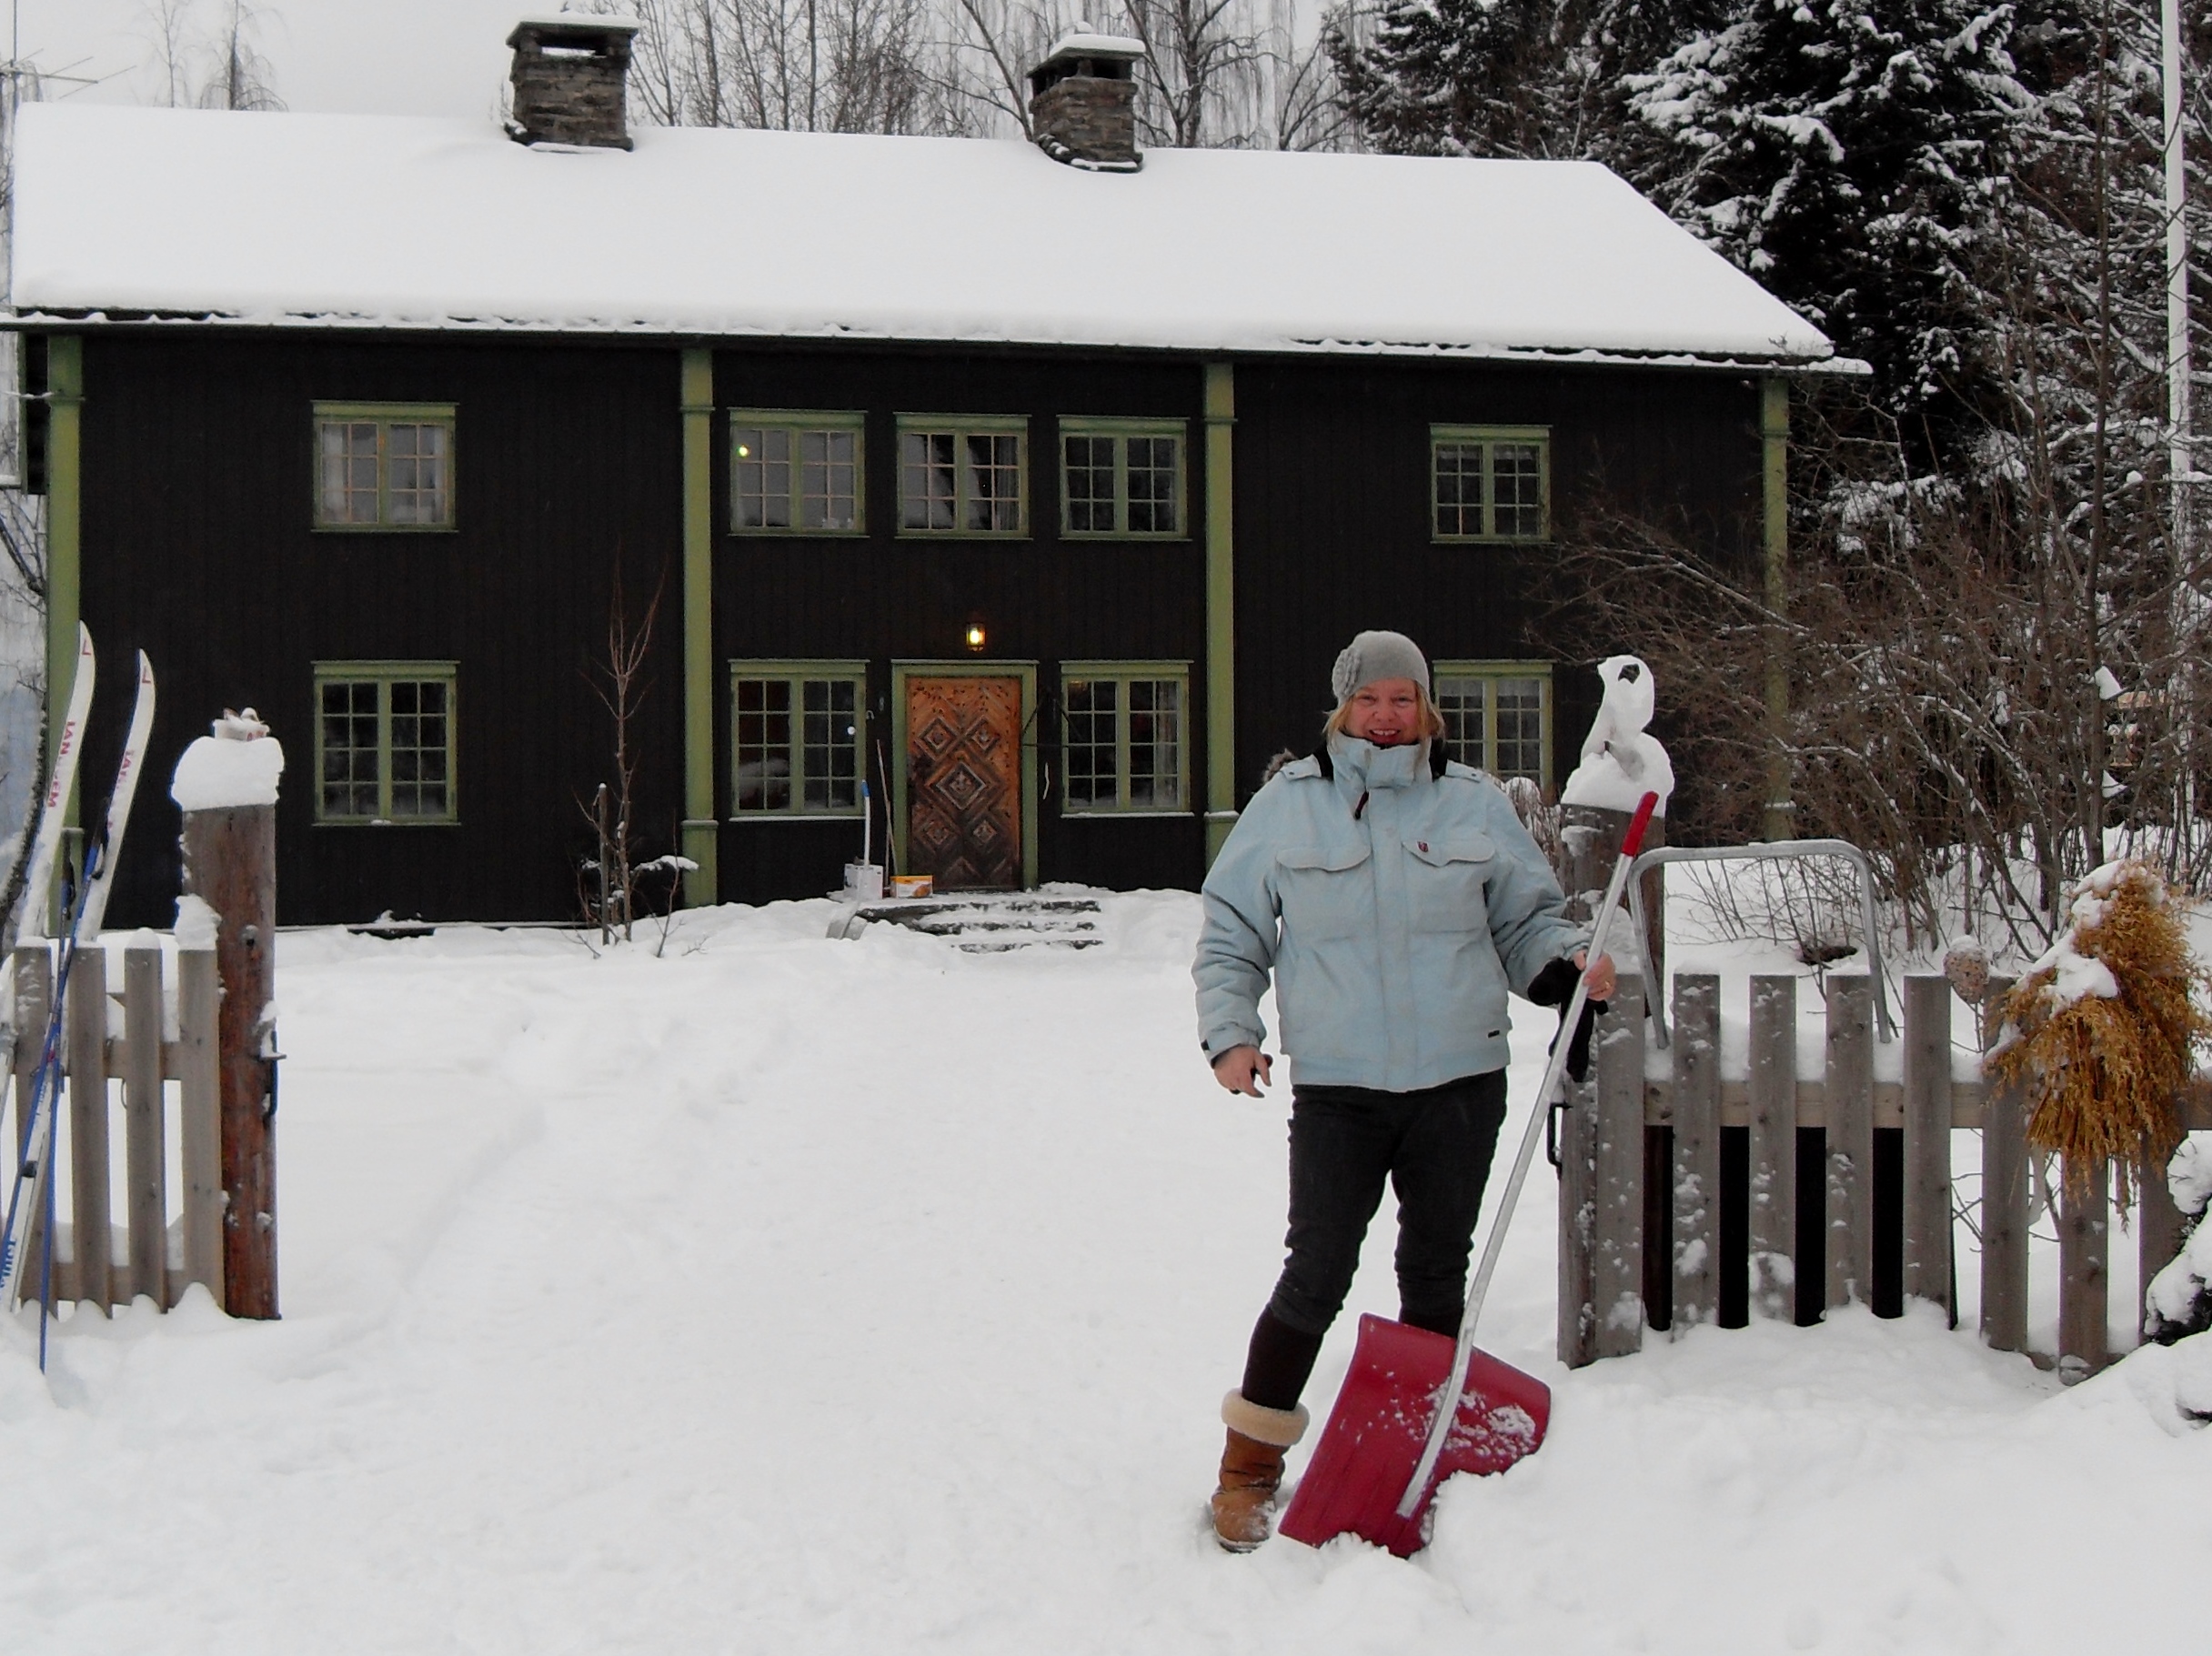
(1431, 718)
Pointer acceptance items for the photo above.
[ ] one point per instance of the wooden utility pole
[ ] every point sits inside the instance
(230, 864)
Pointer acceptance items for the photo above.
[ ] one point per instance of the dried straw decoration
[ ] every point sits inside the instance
(2102, 1033)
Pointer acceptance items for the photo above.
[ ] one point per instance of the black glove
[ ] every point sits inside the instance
(1554, 987)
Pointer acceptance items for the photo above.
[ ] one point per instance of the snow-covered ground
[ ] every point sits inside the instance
(783, 1295)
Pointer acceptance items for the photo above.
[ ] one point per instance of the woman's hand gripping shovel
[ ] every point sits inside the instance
(1390, 1443)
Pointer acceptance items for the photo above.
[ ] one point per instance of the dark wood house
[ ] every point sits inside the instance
(1016, 497)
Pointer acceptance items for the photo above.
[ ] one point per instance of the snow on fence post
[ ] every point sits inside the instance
(1698, 1149)
(90, 1237)
(227, 785)
(2005, 1196)
(1772, 1103)
(1927, 1140)
(1848, 1089)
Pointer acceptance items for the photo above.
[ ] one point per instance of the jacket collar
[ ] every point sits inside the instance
(1360, 767)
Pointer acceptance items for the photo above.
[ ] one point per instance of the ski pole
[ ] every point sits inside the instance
(1447, 1403)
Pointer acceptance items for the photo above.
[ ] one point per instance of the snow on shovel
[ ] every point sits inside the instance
(1390, 1441)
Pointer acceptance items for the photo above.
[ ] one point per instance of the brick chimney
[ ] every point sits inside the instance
(1082, 102)
(567, 78)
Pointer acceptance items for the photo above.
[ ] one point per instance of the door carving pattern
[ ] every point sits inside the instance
(964, 781)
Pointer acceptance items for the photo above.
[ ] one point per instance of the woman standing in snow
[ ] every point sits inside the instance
(1396, 898)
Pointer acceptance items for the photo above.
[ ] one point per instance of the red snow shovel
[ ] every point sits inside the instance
(1390, 1443)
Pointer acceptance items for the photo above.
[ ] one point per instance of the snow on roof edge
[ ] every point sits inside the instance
(17, 320)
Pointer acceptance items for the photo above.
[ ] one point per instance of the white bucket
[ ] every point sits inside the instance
(864, 881)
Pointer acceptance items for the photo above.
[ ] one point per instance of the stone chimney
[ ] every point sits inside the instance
(1082, 102)
(567, 78)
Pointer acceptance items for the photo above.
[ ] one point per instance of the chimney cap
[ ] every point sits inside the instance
(1113, 54)
(574, 24)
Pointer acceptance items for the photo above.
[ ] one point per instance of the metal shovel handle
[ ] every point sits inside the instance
(1447, 1405)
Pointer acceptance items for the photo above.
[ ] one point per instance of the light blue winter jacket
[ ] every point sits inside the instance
(1393, 927)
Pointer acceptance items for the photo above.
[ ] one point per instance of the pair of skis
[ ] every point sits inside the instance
(86, 907)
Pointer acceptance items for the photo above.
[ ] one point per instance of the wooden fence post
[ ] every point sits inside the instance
(1849, 1128)
(1773, 1146)
(1927, 1140)
(1577, 1225)
(1617, 1163)
(230, 864)
(2084, 1227)
(145, 1139)
(89, 1236)
(34, 1005)
(199, 1123)
(2157, 1232)
(2004, 1195)
(1697, 1149)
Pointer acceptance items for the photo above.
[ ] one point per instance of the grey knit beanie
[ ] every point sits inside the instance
(1377, 655)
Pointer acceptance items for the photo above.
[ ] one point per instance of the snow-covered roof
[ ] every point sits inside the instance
(375, 221)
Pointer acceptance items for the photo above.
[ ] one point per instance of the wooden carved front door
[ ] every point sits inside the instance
(963, 759)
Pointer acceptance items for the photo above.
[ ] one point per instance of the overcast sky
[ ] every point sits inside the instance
(391, 56)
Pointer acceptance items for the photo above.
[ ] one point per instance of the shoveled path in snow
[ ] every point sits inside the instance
(783, 1296)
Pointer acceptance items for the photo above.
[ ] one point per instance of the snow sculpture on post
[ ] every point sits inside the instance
(1622, 761)
(227, 785)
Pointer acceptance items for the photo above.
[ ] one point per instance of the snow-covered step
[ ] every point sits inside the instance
(983, 924)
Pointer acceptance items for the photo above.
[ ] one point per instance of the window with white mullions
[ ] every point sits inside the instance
(1121, 738)
(1497, 717)
(383, 466)
(1121, 477)
(1490, 483)
(796, 473)
(962, 476)
(383, 742)
(797, 738)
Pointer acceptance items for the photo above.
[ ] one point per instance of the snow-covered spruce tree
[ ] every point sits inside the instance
(1534, 78)
(1851, 154)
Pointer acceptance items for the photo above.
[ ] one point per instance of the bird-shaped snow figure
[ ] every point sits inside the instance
(1622, 761)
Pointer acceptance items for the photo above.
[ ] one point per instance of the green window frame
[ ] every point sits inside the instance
(1490, 483)
(798, 740)
(798, 472)
(1123, 479)
(1497, 716)
(384, 467)
(964, 476)
(386, 752)
(1125, 738)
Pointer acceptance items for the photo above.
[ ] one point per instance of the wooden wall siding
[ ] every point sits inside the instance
(197, 487)
(879, 597)
(1333, 479)
(198, 550)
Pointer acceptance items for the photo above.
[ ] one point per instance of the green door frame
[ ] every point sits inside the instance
(1026, 671)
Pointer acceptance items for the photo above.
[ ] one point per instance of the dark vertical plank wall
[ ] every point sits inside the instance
(882, 598)
(198, 548)
(1333, 533)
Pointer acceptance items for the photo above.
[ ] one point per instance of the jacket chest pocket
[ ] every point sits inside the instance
(1324, 892)
(1444, 880)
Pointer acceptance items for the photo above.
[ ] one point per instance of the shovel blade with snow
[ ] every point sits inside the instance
(1391, 1440)
(1373, 1443)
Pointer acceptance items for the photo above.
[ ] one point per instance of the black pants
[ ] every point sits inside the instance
(1435, 1149)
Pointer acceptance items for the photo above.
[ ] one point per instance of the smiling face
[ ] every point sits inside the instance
(1386, 712)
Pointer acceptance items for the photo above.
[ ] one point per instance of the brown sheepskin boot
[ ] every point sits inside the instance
(1252, 1469)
